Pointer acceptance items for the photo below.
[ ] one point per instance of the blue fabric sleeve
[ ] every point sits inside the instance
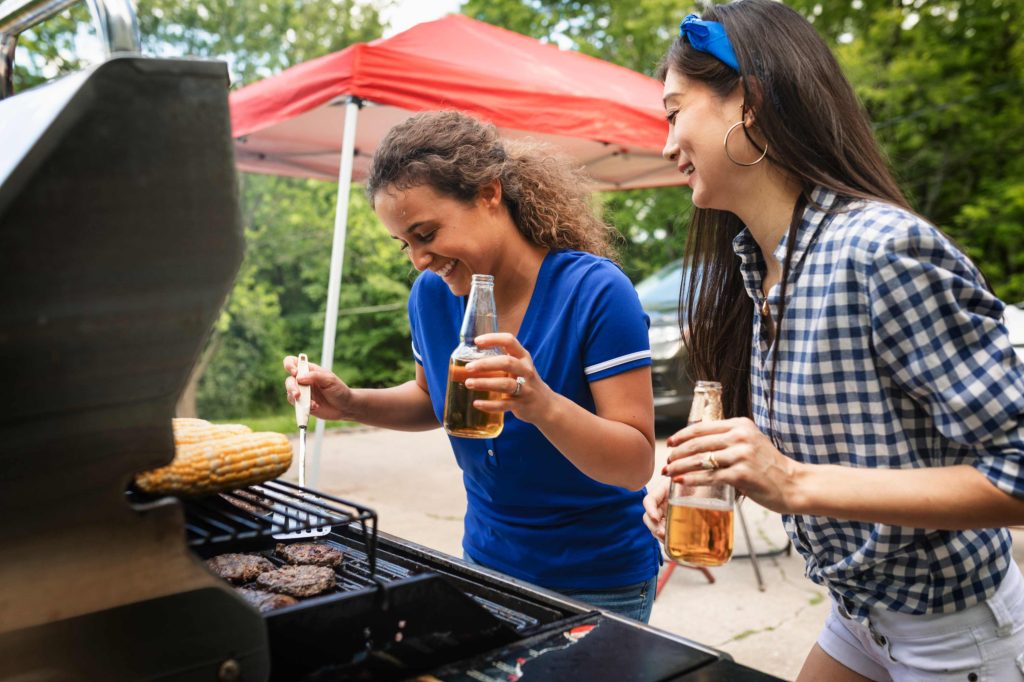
(414, 320)
(614, 326)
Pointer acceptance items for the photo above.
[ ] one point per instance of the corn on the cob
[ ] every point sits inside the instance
(188, 430)
(220, 462)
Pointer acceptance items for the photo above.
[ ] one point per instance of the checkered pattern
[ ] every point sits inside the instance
(892, 354)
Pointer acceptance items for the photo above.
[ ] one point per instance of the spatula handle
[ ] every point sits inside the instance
(302, 404)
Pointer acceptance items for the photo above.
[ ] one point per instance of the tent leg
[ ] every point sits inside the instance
(352, 106)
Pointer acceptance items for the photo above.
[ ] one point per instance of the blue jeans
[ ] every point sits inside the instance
(631, 601)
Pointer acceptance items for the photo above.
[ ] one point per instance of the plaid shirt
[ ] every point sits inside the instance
(892, 355)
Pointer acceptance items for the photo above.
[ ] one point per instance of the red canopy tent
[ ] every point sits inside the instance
(303, 121)
(606, 116)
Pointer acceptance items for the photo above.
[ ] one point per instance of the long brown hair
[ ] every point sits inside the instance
(817, 133)
(547, 196)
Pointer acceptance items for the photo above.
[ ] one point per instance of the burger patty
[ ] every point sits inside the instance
(310, 554)
(298, 581)
(239, 568)
(248, 502)
(265, 601)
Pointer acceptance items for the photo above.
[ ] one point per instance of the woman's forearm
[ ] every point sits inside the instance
(946, 498)
(405, 407)
(606, 450)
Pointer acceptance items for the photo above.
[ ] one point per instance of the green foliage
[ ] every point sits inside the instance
(635, 35)
(277, 306)
(242, 377)
(49, 49)
(941, 79)
(257, 38)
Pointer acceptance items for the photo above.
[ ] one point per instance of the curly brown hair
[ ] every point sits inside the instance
(547, 195)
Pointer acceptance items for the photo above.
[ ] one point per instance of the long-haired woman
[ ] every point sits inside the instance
(874, 396)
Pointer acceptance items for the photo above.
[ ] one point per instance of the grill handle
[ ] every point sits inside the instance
(114, 20)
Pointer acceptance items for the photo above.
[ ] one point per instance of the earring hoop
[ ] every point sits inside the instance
(741, 163)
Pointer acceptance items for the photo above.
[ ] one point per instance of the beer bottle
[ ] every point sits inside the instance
(698, 530)
(460, 417)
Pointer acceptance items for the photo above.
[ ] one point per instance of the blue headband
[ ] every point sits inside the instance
(709, 37)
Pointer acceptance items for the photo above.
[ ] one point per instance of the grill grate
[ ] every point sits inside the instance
(248, 518)
(269, 510)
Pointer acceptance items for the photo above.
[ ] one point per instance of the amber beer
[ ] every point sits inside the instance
(699, 531)
(460, 417)
(481, 317)
(698, 526)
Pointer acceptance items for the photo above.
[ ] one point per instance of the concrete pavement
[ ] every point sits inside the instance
(413, 483)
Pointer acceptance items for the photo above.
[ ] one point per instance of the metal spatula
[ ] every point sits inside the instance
(302, 416)
(302, 419)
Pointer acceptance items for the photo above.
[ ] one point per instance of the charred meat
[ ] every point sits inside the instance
(298, 581)
(239, 568)
(265, 601)
(310, 554)
(248, 502)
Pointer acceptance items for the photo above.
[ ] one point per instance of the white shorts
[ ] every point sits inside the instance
(983, 643)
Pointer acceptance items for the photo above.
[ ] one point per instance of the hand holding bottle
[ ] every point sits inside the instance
(656, 508)
(523, 391)
(744, 457)
(699, 525)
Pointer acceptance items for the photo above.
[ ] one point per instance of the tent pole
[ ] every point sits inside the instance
(348, 144)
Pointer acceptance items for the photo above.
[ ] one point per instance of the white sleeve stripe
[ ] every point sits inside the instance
(615, 362)
(416, 353)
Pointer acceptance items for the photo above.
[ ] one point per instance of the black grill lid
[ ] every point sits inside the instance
(119, 237)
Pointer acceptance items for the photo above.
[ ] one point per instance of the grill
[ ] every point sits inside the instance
(121, 236)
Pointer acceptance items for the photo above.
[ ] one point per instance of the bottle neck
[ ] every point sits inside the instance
(481, 313)
(707, 404)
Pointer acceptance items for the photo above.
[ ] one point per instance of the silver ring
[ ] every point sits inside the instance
(709, 463)
(519, 386)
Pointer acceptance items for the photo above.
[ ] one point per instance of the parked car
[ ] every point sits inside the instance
(673, 389)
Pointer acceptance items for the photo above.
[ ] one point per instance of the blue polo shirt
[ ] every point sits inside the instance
(530, 512)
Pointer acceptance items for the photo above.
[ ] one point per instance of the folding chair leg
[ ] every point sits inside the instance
(750, 548)
(663, 578)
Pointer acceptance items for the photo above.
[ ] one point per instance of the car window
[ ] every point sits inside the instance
(662, 288)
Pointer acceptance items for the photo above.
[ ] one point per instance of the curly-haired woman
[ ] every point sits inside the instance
(556, 499)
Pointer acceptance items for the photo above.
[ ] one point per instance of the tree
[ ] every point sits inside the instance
(940, 79)
(631, 34)
(256, 38)
(277, 304)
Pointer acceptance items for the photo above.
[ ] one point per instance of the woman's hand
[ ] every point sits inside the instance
(330, 397)
(734, 451)
(533, 397)
(655, 505)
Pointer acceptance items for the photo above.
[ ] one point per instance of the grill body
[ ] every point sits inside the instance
(119, 237)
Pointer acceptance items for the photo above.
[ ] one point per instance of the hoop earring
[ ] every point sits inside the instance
(740, 163)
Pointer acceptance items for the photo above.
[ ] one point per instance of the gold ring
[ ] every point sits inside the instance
(519, 386)
(709, 462)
